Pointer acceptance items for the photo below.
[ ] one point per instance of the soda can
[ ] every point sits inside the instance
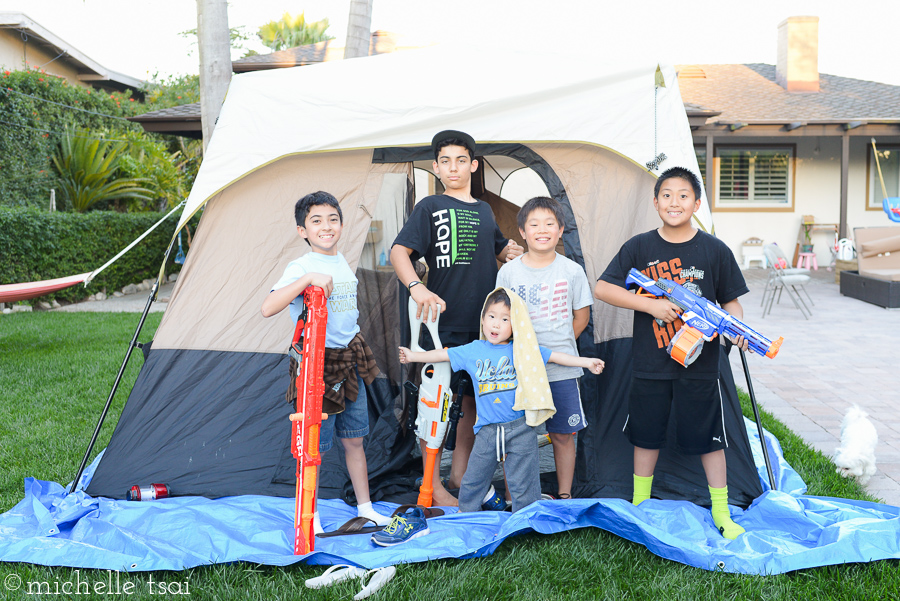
(147, 493)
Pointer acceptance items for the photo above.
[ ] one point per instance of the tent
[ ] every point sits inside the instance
(207, 414)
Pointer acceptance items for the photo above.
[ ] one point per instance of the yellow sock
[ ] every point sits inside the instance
(642, 486)
(721, 515)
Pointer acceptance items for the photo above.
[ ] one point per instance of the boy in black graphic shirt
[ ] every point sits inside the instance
(704, 265)
(461, 243)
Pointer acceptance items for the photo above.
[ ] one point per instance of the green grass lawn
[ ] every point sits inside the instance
(56, 370)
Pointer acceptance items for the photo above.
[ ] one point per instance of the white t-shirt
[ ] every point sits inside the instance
(343, 313)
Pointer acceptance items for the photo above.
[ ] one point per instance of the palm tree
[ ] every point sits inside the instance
(87, 172)
(358, 29)
(290, 31)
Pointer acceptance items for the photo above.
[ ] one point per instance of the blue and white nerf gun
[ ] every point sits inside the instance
(434, 401)
(702, 321)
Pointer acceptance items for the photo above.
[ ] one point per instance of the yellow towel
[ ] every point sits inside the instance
(533, 392)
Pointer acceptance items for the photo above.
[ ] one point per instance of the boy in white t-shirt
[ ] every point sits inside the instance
(556, 291)
(319, 222)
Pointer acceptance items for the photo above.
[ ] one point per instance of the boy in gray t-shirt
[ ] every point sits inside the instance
(558, 296)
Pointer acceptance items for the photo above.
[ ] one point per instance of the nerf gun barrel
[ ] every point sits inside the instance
(434, 402)
(308, 348)
(702, 320)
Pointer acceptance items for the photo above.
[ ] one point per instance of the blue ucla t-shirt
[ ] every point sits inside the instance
(491, 369)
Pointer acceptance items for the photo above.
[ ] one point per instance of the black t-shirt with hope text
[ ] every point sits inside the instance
(460, 242)
(705, 266)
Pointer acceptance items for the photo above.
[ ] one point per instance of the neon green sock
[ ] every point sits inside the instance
(721, 515)
(642, 486)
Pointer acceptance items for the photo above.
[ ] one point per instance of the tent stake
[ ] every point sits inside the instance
(762, 438)
(112, 393)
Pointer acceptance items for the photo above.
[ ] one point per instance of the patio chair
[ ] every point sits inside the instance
(779, 254)
(779, 281)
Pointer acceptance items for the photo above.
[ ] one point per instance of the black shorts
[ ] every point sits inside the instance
(450, 340)
(699, 422)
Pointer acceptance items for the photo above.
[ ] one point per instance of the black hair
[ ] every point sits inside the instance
(302, 207)
(540, 202)
(680, 173)
(453, 142)
(497, 296)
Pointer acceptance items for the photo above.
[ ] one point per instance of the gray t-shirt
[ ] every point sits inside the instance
(552, 294)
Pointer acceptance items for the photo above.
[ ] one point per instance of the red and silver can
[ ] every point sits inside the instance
(147, 493)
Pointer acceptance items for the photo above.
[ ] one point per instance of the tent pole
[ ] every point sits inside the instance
(762, 437)
(112, 393)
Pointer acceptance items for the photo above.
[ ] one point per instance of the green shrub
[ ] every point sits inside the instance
(32, 119)
(38, 245)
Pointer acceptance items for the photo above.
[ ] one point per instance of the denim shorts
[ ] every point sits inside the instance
(352, 422)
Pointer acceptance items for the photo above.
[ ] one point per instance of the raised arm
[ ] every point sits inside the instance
(425, 298)
(595, 365)
(277, 300)
(435, 356)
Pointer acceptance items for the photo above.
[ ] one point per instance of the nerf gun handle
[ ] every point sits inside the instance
(433, 404)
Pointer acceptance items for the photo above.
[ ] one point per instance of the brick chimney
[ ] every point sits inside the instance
(797, 67)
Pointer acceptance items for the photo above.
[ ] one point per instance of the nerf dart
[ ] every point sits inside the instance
(308, 348)
(702, 321)
(434, 402)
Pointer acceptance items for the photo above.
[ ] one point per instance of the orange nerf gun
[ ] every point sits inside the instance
(308, 348)
(434, 402)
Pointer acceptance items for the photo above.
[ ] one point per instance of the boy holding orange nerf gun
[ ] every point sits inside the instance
(319, 222)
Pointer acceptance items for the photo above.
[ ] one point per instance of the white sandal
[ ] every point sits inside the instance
(380, 577)
(335, 574)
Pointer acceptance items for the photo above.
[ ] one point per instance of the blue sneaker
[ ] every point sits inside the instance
(404, 527)
(493, 501)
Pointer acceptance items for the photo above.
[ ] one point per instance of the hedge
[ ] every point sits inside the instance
(39, 245)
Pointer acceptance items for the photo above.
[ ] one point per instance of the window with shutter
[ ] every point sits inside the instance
(754, 177)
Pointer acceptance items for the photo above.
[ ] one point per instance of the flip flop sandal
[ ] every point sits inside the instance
(355, 525)
(429, 512)
(380, 577)
(335, 574)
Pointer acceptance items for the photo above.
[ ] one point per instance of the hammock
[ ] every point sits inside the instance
(10, 293)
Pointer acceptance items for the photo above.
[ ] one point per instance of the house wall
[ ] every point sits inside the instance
(14, 52)
(817, 192)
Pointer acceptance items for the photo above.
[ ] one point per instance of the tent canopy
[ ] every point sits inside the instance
(523, 95)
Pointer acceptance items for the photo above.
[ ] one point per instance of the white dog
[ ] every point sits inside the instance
(856, 455)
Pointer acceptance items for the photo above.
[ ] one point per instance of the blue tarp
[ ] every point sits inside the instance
(786, 530)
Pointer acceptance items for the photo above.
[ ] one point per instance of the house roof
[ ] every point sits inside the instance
(183, 120)
(748, 94)
(381, 42)
(89, 71)
(713, 95)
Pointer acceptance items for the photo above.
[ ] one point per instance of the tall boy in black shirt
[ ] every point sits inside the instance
(706, 266)
(461, 243)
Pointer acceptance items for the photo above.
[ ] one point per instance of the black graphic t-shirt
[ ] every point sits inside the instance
(460, 242)
(705, 266)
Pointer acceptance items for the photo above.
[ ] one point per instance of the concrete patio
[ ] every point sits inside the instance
(847, 352)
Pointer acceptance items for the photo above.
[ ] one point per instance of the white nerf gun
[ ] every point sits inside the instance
(434, 401)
